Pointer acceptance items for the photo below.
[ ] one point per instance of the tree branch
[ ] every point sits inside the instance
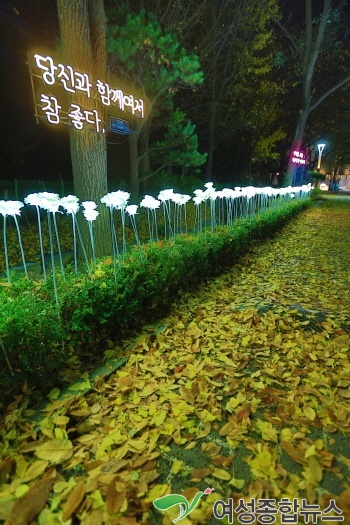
(285, 31)
(329, 92)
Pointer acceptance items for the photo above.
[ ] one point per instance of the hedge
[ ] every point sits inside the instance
(38, 338)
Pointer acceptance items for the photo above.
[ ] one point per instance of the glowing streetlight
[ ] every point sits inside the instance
(320, 150)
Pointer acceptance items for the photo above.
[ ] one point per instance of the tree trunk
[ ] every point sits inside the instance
(145, 168)
(82, 29)
(313, 41)
(296, 144)
(134, 167)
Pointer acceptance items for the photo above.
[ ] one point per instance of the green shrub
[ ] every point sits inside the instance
(317, 176)
(39, 338)
(316, 194)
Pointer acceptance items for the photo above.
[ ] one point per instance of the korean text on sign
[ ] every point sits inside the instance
(267, 511)
(71, 80)
(74, 81)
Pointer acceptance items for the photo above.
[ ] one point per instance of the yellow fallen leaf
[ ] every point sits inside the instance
(21, 490)
(311, 451)
(176, 466)
(205, 431)
(315, 468)
(200, 472)
(79, 386)
(221, 474)
(234, 402)
(159, 418)
(54, 393)
(310, 413)
(238, 483)
(135, 445)
(55, 450)
(35, 470)
(344, 393)
(186, 395)
(73, 501)
(28, 507)
(60, 420)
(268, 432)
(226, 429)
(205, 414)
(156, 492)
(21, 466)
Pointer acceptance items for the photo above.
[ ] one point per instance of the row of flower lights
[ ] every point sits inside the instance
(224, 206)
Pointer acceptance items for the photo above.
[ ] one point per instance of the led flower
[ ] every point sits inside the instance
(165, 195)
(33, 199)
(180, 199)
(150, 202)
(89, 205)
(90, 214)
(10, 208)
(200, 193)
(116, 199)
(132, 209)
(49, 201)
(198, 199)
(70, 204)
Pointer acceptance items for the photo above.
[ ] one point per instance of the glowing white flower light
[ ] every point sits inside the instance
(166, 195)
(70, 204)
(90, 214)
(116, 199)
(132, 209)
(89, 205)
(49, 201)
(33, 199)
(198, 199)
(12, 208)
(150, 202)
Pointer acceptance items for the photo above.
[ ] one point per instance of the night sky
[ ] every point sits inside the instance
(33, 26)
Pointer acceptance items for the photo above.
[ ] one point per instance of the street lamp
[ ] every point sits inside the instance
(320, 150)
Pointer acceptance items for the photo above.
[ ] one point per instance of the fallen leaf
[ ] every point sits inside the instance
(35, 470)
(28, 507)
(73, 501)
(55, 450)
(221, 474)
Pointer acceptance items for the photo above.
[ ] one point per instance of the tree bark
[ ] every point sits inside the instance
(144, 166)
(82, 29)
(310, 55)
(134, 167)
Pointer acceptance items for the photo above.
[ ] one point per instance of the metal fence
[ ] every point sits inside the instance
(17, 189)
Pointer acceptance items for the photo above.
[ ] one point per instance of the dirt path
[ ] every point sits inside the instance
(244, 388)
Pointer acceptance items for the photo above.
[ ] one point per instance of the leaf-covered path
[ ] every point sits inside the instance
(243, 388)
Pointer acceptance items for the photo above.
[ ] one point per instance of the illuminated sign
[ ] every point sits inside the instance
(74, 82)
(298, 157)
